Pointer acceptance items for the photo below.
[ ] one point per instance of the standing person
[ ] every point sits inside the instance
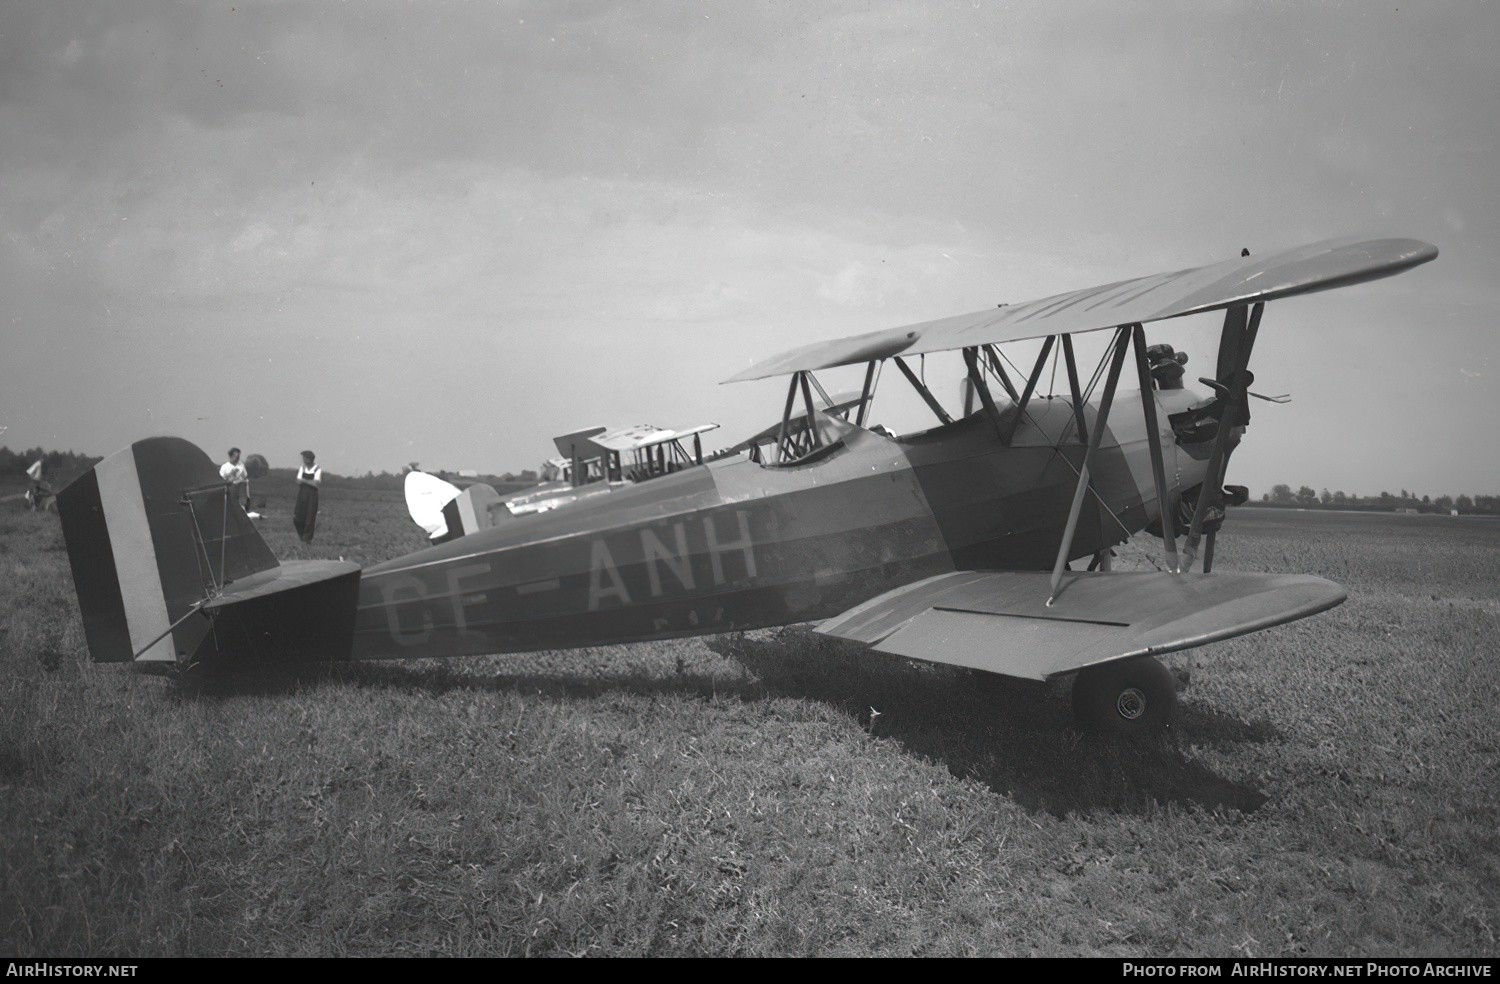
(238, 478)
(40, 490)
(309, 479)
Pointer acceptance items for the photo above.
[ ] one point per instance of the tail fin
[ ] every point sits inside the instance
(445, 511)
(153, 536)
(471, 511)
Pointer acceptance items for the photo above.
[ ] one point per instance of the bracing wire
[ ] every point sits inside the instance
(1109, 350)
(1013, 366)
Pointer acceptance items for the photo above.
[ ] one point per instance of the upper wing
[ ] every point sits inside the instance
(1320, 266)
(643, 436)
(999, 621)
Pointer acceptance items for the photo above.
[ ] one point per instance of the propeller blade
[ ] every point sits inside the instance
(1283, 398)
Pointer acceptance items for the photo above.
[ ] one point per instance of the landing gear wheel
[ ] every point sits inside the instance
(1127, 697)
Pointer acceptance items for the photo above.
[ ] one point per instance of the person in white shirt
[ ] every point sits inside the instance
(309, 480)
(237, 477)
(40, 491)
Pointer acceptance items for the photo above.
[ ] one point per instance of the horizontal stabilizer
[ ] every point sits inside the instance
(302, 609)
(1000, 622)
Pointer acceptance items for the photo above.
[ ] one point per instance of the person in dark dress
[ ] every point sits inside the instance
(309, 480)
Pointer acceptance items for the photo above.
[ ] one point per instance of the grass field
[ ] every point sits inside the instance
(1330, 787)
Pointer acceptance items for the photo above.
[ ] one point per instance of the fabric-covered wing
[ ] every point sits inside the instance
(1320, 266)
(1000, 622)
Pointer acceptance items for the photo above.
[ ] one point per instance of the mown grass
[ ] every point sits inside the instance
(1330, 787)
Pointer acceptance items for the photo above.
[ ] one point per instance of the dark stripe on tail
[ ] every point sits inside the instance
(86, 534)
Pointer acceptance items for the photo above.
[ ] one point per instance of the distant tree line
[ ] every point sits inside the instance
(59, 468)
(1306, 497)
(387, 482)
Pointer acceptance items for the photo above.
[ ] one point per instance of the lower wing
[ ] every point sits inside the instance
(1000, 621)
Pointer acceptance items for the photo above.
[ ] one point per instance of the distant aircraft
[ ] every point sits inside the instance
(595, 454)
(953, 545)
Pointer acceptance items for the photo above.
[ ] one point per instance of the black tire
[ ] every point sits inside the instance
(1127, 697)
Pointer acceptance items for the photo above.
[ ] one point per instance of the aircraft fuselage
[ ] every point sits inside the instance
(736, 545)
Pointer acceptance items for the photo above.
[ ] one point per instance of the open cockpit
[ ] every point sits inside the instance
(812, 421)
(1048, 402)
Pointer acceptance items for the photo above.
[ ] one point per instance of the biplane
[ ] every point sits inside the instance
(590, 457)
(955, 544)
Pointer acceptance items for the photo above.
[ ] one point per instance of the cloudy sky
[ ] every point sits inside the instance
(444, 232)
